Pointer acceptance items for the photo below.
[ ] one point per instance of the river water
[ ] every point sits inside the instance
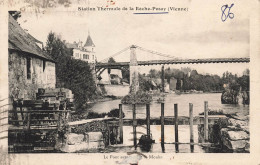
(183, 100)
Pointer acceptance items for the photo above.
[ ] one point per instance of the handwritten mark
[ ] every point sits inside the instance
(154, 13)
(110, 2)
(226, 13)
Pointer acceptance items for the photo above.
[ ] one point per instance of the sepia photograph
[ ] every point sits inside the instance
(112, 77)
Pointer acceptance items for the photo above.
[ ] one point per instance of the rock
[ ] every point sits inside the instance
(75, 148)
(96, 145)
(237, 123)
(94, 136)
(236, 145)
(74, 138)
(237, 135)
(241, 116)
(79, 142)
(234, 135)
(247, 147)
(245, 128)
(234, 140)
(228, 97)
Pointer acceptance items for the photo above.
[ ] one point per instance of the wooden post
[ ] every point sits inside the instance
(206, 126)
(176, 127)
(28, 120)
(162, 123)
(116, 130)
(148, 120)
(134, 125)
(191, 127)
(109, 143)
(59, 120)
(21, 109)
(121, 124)
(15, 103)
(163, 90)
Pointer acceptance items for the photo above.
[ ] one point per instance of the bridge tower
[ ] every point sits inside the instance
(133, 68)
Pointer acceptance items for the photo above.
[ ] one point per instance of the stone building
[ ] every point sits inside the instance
(84, 52)
(111, 76)
(29, 66)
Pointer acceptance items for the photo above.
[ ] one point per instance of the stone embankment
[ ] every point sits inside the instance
(83, 142)
(236, 135)
(230, 133)
(85, 135)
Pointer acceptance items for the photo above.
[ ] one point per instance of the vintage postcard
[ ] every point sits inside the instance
(129, 82)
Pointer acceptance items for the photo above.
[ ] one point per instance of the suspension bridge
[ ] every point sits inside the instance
(134, 64)
(170, 60)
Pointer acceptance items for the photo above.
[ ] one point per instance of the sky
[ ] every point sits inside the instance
(198, 33)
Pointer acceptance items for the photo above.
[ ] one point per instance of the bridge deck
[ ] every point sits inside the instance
(176, 61)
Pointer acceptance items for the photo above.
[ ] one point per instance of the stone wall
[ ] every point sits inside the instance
(231, 134)
(236, 135)
(42, 75)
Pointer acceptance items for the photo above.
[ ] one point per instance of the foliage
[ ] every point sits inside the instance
(115, 113)
(213, 112)
(93, 115)
(71, 73)
(126, 75)
(111, 60)
(141, 97)
(112, 113)
(144, 84)
(233, 86)
(188, 79)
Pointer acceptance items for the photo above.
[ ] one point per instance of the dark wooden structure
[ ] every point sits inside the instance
(36, 125)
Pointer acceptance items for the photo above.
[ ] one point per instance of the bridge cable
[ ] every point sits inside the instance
(116, 54)
(156, 53)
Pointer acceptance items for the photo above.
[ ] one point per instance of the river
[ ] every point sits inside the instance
(183, 100)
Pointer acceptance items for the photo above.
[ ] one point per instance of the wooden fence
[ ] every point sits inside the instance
(201, 120)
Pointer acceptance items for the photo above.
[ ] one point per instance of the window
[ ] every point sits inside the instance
(85, 56)
(43, 65)
(28, 67)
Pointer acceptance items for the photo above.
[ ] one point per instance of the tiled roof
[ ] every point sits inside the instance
(19, 40)
(89, 42)
(73, 45)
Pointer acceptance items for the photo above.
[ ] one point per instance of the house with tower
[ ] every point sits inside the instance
(84, 52)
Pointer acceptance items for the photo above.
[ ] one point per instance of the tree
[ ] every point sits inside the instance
(126, 75)
(73, 74)
(144, 83)
(111, 60)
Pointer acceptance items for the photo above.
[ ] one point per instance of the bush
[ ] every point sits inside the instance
(140, 97)
(112, 113)
(213, 112)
